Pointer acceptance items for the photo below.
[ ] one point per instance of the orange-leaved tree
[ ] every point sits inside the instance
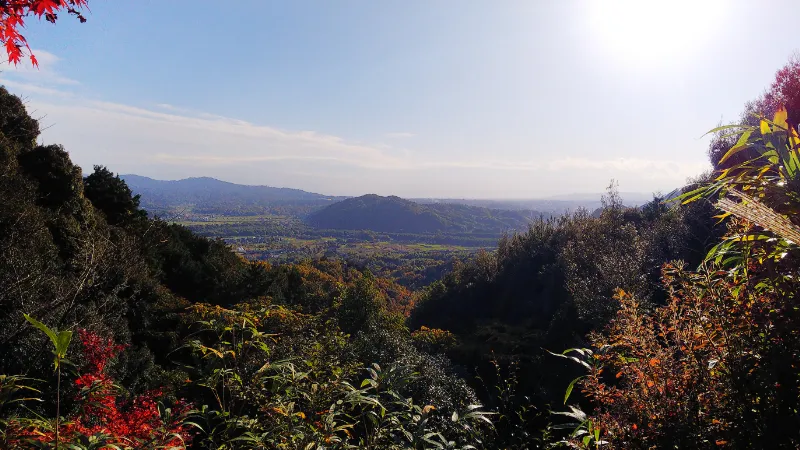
(718, 366)
(13, 14)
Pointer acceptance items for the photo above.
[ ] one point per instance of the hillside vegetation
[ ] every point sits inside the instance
(149, 302)
(396, 215)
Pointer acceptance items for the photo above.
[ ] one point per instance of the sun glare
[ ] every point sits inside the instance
(649, 33)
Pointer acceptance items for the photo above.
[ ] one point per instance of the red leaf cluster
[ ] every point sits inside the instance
(12, 18)
(136, 423)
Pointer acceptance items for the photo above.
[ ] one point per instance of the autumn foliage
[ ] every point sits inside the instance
(320, 354)
(784, 91)
(13, 14)
(717, 366)
(433, 339)
(104, 416)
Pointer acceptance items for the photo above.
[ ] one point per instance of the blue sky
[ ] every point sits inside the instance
(414, 98)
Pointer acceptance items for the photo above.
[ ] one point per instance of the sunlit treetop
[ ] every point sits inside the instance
(13, 14)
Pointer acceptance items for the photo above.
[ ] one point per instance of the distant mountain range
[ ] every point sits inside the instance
(205, 194)
(555, 205)
(396, 215)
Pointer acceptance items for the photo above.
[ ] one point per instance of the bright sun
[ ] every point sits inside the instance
(650, 32)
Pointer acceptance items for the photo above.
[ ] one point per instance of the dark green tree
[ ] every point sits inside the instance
(15, 123)
(363, 305)
(109, 194)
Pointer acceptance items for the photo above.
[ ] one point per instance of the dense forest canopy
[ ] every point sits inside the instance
(673, 324)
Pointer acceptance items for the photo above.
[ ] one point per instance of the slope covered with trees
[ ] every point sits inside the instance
(695, 353)
(717, 365)
(396, 215)
(547, 287)
(169, 322)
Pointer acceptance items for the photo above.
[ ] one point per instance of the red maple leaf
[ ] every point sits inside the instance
(12, 18)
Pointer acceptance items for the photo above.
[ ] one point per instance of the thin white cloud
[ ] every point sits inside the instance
(481, 165)
(46, 73)
(29, 88)
(399, 135)
(652, 168)
(212, 160)
(206, 140)
(181, 141)
(175, 138)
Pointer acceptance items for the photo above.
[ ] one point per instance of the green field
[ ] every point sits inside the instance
(412, 260)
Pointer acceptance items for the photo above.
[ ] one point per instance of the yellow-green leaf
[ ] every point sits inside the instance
(780, 118)
(794, 139)
(765, 129)
(50, 333)
(741, 144)
(63, 340)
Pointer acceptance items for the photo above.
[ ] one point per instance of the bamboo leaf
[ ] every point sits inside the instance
(781, 115)
(571, 358)
(764, 126)
(50, 333)
(725, 127)
(63, 340)
(794, 139)
(569, 389)
(741, 144)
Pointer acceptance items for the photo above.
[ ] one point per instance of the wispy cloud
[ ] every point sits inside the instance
(30, 88)
(399, 135)
(651, 167)
(184, 137)
(46, 73)
(175, 138)
(183, 141)
(657, 169)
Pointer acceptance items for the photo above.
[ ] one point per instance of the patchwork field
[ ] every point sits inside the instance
(413, 260)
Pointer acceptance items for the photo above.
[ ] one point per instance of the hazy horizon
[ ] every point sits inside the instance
(437, 100)
(566, 196)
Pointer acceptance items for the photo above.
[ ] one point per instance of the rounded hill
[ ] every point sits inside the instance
(396, 215)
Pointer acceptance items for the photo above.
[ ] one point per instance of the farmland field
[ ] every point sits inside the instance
(413, 260)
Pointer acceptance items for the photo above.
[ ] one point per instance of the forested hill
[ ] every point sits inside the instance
(210, 195)
(396, 215)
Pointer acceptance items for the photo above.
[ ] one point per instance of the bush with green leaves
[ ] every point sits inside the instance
(310, 394)
(717, 365)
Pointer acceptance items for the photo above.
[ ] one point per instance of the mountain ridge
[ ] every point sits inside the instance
(397, 215)
(214, 196)
(210, 195)
(139, 181)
